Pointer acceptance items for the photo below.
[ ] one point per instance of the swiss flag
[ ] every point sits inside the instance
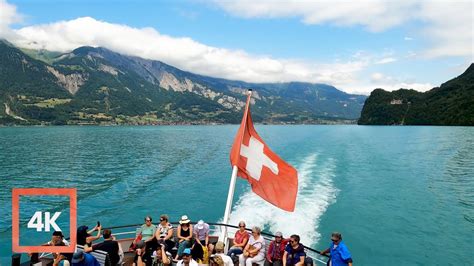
(270, 177)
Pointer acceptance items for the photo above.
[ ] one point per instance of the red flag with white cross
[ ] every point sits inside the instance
(271, 178)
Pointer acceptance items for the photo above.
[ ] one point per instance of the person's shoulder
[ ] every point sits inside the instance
(89, 257)
(342, 245)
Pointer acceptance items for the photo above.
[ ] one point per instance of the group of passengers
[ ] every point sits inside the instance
(155, 246)
(194, 248)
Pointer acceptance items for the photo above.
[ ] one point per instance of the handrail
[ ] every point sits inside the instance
(220, 224)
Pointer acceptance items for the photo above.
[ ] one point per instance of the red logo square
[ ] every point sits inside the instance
(17, 192)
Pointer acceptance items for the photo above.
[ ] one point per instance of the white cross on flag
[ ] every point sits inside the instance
(270, 177)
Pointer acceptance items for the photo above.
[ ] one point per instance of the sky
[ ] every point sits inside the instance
(356, 46)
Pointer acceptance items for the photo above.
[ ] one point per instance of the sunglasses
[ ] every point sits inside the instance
(292, 241)
(242, 226)
(334, 240)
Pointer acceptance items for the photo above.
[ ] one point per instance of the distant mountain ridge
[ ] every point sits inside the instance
(98, 86)
(450, 104)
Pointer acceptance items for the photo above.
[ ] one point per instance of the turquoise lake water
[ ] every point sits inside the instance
(399, 195)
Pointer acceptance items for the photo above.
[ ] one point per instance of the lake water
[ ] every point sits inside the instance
(399, 195)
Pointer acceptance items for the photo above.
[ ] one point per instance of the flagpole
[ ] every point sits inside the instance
(230, 195)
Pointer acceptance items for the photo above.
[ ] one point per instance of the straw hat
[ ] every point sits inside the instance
(184, 220)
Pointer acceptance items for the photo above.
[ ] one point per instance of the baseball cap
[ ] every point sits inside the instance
(78, 256)
(187, 251)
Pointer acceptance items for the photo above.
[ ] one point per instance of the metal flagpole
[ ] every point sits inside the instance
(230, 195)
(228, 205)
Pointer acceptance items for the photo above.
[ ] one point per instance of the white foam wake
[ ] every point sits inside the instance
(315, 193)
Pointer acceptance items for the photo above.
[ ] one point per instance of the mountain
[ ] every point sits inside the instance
(98, 86)
(450, 104)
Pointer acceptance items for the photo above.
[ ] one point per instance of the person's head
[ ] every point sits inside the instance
(57, 237)
(164, 219)
(200, 225)
(256, 231)
(148, 220)
(184, 221)
(186, 255)
(82, 234)
(78, 256)
(278, 237)
(159, 254)
(336, 237)
(242, 226)
(216, 261)
(220, 247)
(294, 240)
(107, 233)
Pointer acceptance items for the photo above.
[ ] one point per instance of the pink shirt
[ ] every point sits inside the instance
(241, 237)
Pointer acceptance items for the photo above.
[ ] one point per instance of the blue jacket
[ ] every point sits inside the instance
(340, 256)
(88, 260)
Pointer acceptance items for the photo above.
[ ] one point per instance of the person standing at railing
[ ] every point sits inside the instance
(109, 245)
(275, 251)
(340, 255)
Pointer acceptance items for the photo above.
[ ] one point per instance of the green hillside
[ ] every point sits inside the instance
(98, 86)
(450, 104)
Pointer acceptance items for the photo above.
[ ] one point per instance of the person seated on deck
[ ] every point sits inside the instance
(111, 246)
(187, 259)
(220, 252)
(199, 254)
(147, 230)
(201, 233)
(57, 237)
(240, 240)
(60, 259)
(294, 254)
(164, 233)
(160, 256)
(84, 237)
(141, 257)
(185, 235)
(254, 251)
(275, 251)
(217, 261)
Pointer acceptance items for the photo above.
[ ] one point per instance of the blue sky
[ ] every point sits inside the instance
(305, 42)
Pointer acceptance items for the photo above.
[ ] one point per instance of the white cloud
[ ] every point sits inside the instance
(450, 29)
(8, 16)
(448, 25)
(187, 54)
(389, 83)
(386, 60)
(375, 15)
(184, 53)
(408, 38)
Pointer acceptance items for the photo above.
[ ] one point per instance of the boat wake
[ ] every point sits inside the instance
(316, 191)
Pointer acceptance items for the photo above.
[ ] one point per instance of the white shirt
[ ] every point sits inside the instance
(258, 243)
(227, 260)
(191, 263)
